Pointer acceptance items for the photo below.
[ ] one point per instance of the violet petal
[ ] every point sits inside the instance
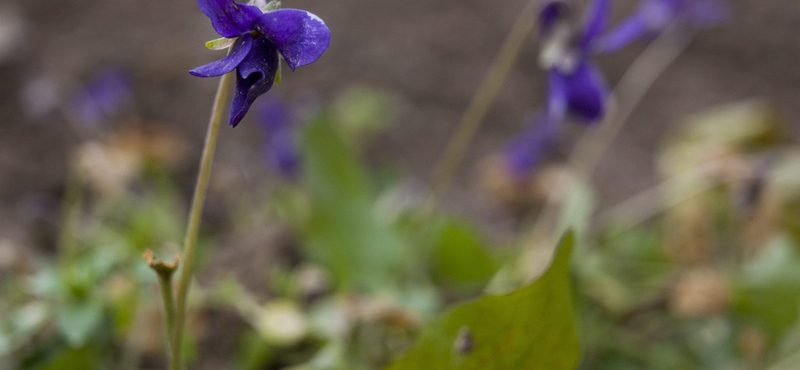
(275, 115)
(524, 154)
(586, 92)
(239, 51)
(658, 14)
(282, 153)
(277, 122)
(552, 12)
(628, 31)
(709, 13)
(301, 37)
(255, 76)
(595, 22)
(556, 97)
(229, 18)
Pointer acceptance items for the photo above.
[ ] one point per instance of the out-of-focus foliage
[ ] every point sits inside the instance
(95, 299)
(360, 111)
(460, 258)
(701, 272)
(530, 328)
(342, 231)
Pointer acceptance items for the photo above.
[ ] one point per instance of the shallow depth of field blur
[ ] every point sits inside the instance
(687, 237)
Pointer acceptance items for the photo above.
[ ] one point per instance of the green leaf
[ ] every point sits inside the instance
(342, 231)
(745, 123)
(77, 322)
(362, 110)
(530, 328)
(769, 290)
(460, 258)
(254, 352)
(739, 127)
(577, 208)
(81, 358)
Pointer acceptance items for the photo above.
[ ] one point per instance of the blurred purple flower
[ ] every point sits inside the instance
(576, 86)
(654, 16)
(261, 39)
(523, 154)
(277, 122)
(107, 92)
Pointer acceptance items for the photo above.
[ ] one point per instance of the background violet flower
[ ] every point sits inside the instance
(107, 92)
(278, 121)
(525, 153)
(261, 39)
(654, 16)
(575, 84)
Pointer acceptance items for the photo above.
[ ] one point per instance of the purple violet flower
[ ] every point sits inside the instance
(654, 16)
(278, 121)
(103, 97)
(523, 154)
(259, 37)
(576, 86)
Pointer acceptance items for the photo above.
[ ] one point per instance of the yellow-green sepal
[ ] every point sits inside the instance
(220, 43)
(278, 74)
(266, 6)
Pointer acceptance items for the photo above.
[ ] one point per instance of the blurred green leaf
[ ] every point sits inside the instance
(577, 209)
(739, 127)
(743, 123)
(29, 318)
(79, 358)
(77, 322)
(769, 290)
(341, 231)
(46, 283)
(360, 110)
(254, 352)
(150, 220)
(460, 258)
(531, 328)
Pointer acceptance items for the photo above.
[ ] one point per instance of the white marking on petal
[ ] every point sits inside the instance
(315, 17)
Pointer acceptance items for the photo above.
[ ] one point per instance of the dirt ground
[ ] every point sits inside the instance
(432, 54)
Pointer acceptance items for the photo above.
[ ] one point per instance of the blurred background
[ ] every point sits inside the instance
(102, 131)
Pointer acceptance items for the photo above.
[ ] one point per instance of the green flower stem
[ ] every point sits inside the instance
(470, 123)
(164, 271)
(165, 282)
(193, 228)
(70, 216)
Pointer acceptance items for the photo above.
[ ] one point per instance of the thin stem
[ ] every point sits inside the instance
(657, 199)
(486, 94)
(193, 228)
(633, 86)
(648, 203)
(164, 271)
(70, 216)
(165, 282)
(629, 92)
(169, 312)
